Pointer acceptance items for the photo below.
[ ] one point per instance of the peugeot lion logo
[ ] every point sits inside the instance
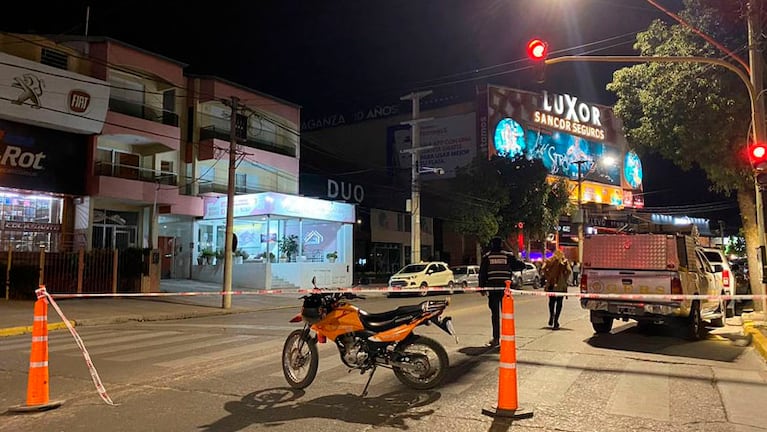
(31, 89)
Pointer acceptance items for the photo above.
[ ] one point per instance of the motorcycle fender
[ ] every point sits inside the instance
(397, 333)
(296, 318)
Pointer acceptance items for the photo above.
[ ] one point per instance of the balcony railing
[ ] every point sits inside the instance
(135, 173)
(211, 187)
(135, 109)
(210, 132)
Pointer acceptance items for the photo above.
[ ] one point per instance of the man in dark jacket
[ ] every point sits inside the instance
(496, 268)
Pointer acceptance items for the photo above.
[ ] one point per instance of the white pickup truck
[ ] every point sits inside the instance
(650, 265)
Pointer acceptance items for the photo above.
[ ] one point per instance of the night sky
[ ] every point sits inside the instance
(329, 56)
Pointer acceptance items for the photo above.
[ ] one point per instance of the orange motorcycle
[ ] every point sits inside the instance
(366, 341)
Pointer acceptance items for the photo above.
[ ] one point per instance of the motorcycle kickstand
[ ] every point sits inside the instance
(370, 378)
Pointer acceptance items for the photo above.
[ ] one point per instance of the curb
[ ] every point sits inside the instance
(15, 331)
(759, 340)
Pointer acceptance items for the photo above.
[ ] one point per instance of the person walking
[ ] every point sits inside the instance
(576, 273)
(497, 266)
(557, 273)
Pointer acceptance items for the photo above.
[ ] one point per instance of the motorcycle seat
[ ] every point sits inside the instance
(388, 320)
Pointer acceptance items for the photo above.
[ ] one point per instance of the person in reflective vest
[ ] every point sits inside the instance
(497, 266)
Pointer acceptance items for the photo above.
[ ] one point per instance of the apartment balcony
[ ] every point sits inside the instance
(134, 109)
(135, 173)
(210, 133)
(147, 131)
(141, 186)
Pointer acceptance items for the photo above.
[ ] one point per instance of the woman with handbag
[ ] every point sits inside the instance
(557, 271)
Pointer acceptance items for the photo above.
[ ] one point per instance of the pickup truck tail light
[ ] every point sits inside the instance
(584, 283)
(726, 278)
(676, 286)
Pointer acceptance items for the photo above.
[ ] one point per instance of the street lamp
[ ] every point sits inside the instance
(580, 219)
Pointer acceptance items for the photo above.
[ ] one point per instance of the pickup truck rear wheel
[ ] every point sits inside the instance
(601, 324)
(695, 328)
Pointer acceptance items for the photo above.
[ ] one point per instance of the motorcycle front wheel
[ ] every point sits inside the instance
(426, 360)
(300, 359)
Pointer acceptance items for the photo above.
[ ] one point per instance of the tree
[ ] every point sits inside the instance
(504, 192)
(691, 113)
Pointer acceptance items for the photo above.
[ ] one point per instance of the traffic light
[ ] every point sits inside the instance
(537, 50)
(757, 156)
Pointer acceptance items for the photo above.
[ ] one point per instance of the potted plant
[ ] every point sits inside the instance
(207, 255)
(219, 256)
(240, 256)
(289, 246)
(332, 256)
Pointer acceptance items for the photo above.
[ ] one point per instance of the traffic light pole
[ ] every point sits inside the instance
(752, 83)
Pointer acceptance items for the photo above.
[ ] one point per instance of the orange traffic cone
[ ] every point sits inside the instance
(508, 404)
(37, 383)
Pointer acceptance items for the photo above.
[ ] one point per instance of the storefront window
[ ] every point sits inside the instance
(30, 222)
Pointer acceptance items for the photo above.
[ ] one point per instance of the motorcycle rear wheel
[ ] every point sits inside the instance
(428, 356)
(300, 359)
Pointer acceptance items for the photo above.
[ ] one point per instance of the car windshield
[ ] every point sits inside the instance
(413, 268)
(460, 270)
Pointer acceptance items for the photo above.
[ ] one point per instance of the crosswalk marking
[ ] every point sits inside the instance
(270, 345)
(550, 382)
(53, 339)
(741, 408)
(110, 341)
(143, 354)
(149, 343)
(642, 391)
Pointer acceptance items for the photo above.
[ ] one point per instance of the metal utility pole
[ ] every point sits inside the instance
(581, 220)
(415, 199)
(757, 67)
(226, 301)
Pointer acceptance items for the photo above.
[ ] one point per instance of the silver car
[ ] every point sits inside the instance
(528, 276)
(466, 276)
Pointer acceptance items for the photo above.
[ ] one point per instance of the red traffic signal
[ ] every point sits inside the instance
(757, 154)
(537, 49)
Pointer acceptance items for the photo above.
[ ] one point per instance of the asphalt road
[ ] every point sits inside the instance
(223, 374)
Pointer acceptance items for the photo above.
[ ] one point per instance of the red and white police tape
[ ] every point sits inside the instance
(440, 290)
(91, 368)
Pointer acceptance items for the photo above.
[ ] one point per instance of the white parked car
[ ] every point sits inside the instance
(528, 276)
(720, 267)
(423, 275)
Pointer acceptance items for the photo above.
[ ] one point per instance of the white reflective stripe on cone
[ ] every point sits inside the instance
(38, 364)
(41, 318)
(508, 338)
(503, 365)
(39, 338)
(507, 316)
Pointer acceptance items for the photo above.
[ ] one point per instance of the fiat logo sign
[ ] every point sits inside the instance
(79, 101)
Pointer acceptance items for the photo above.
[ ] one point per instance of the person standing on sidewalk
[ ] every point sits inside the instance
(557, 273)
(576, 273)
(497, 266)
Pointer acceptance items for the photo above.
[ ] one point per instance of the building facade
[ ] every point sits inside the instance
(109, 146)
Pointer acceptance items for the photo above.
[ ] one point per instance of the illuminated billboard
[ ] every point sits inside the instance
(567, 135)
